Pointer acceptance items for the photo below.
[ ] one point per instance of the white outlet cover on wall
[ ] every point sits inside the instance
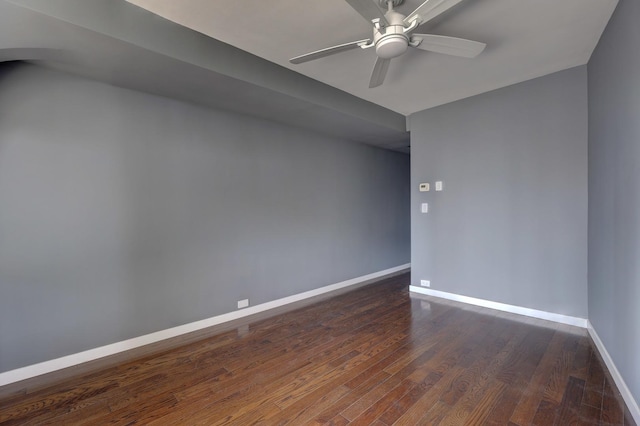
(243, 303)
(425, 283)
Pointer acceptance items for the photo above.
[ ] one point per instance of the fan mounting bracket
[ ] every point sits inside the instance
(394, 3)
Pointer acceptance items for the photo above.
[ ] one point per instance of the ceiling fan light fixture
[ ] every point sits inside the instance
(391, 46)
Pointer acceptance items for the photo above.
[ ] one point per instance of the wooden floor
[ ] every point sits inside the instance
(374, 356)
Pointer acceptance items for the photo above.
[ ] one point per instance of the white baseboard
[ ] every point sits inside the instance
(632, 404)
(549, 316)
(34, 370)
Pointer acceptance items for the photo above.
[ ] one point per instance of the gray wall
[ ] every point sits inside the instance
(511, 223)
(614, 191)
(122, 213)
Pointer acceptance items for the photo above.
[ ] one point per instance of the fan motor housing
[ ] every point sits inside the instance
(391, 41)
(383, 3)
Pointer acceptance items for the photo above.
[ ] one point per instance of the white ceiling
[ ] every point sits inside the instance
(525, 39)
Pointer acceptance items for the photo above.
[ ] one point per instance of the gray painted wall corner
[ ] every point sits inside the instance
(614, 191)
(511, 223)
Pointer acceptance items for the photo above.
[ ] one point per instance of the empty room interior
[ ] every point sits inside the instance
(335, 212)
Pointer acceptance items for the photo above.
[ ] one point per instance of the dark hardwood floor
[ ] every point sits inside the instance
(373, 356)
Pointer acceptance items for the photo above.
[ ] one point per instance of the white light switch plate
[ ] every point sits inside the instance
(439, 185)
(424, 207)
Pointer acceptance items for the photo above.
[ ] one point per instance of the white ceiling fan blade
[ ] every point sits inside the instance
(368, 10)
(328, 51)
(429, 10)
(449, 45)
(379, 72)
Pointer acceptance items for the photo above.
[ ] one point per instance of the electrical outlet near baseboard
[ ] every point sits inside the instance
(243, 303)
(425, 283)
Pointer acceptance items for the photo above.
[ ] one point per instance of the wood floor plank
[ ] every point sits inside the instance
(483, 389)
(526, 355)
(594, 386)
(533, 393)
(306, 409)
(368, 399)
(514, 396)
(398, 407)
(89, 409)
(589, 416)
(487, 363)
(62, 400)
(477, 411)
(546, 414)
(557, 384)
(377, 355)
(569, 413)
(145, 411)
(338, 421)
(350, 398)
(432, 417)
(612, 406)
(371, 414)
(505, 405)
(580, 367)
(429, 399)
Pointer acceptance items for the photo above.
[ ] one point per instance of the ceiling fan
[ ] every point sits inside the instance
(393, 34)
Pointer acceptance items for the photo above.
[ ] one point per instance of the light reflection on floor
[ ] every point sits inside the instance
(430, 303)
